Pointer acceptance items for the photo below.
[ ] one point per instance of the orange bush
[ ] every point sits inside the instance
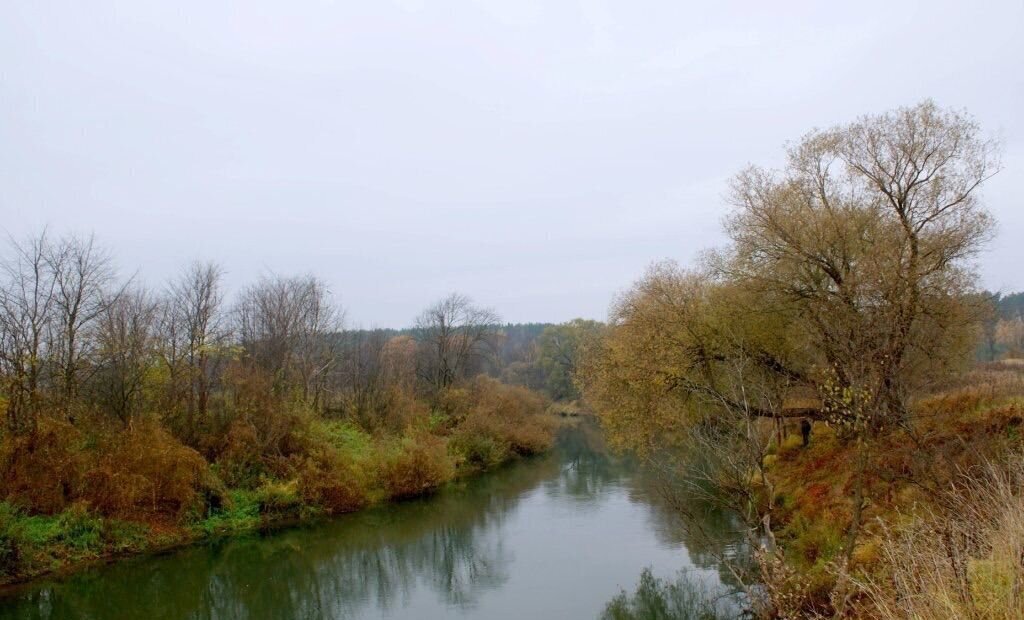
(239, 462)
(118, 472)
(146, 470)
(326, 479)
(420, 464)
(404, 411)
(512, 415)
(44, 471)
(250, 398)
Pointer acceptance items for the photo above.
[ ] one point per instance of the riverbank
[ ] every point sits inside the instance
(555, 535)
(77, 538)
(942, 534)
(339, 468)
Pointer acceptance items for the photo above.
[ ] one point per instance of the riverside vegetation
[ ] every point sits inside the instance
(137, 421)
(835, 377)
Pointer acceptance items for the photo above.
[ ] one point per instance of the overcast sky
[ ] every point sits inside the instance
(535, 155)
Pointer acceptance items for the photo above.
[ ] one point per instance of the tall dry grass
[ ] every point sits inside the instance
(963, 558)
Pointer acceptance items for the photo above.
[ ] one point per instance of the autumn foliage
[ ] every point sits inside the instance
(138, 419)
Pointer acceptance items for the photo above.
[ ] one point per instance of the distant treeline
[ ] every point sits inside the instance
(513, 342)
(1003, 327)
(1010, 306)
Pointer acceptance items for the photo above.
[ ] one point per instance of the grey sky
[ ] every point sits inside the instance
(535, 155)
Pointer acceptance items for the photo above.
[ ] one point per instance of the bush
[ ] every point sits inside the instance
(403, 411)
(10, 553)
(330, 480)
(44, 471)
(239, 514)
(240, 462)
(277, 419)
(478, 449)
(454, 402)
(418, 465)
(503, 419)
(278, 499)
(146, 470)
(79, 529)
(118, 472)
(344, 437)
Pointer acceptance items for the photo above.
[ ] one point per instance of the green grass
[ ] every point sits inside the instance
(478, 451)
(35, 543)
(278, 498)
(345, 437)
(242, 514)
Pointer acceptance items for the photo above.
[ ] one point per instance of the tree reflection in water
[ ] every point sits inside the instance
(589, 467)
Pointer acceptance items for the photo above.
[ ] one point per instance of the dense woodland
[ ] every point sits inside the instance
(137, 417)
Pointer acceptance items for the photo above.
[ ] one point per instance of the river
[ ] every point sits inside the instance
(555, 537)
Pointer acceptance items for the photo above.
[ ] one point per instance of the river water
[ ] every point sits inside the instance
(549, 537)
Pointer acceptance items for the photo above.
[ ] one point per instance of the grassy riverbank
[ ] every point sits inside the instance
(942, 531)
(942, 513)
(75, 497)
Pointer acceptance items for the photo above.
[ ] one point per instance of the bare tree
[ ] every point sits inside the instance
(284, 326)
(82, 272)
(27, 308)
(452, 333)
(125, 347)
(193, 329)
(362, 376)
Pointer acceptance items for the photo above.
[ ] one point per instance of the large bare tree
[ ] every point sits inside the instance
(285, 326)
(193, 328)
(83, 275)
(866, 238)
(27, 309)
(452, 334)
(125, 344)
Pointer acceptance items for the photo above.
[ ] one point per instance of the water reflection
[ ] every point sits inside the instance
(564, 532)
(681, 598)
(711, 535)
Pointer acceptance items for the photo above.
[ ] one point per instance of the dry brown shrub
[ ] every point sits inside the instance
(119, 472)
(278, 419)
(146, 470)
(43, 471)
(454, 402)
(403, 411)
(239, 462)
(510, 414)
(327, 479)
(420, 464)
